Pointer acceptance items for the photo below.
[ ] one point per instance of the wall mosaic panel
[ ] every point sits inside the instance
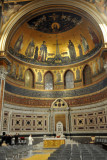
(29, 122)
(89, 121)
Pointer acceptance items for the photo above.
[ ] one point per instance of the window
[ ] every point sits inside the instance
(29, 79)
(48, 81)
(69, 80)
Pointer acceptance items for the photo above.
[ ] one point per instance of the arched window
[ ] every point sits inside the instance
(87, 78)
(48, 81)
(69, 80)
(29, 79)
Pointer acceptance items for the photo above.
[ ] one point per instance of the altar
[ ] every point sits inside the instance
(53, 142)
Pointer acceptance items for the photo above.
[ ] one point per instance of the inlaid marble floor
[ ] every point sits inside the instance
(38, 153)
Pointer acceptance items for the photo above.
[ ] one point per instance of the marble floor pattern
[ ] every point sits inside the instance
(38, 153)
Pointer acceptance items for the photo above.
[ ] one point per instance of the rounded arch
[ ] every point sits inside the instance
(68, 79)
(48, 81)
(94, 14)
(29, 78)
(87, 75)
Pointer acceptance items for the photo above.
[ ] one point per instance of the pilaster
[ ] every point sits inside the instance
(3, 72)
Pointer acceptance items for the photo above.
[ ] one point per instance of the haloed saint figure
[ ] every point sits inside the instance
(18, 44)
(72, 52)
(43, 51)
(84, 44)
(30, 49)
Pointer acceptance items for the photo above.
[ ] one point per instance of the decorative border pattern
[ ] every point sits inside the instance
(56, 94)
(9, 98)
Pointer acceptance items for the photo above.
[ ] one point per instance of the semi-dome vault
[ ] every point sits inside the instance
(55, 38)
(56, 29)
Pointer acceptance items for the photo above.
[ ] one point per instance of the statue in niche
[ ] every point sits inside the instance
(94, 68)
(9, 69)
(43, 52)
(39, 77)
(99, 65)
(80, 50)
(84, 44)
(93, 36)
(58, 77)
(19, 43)
(14, 70)
(77, 74)
(72, 52)
(36, 53)
(30, 49)
(20, 73)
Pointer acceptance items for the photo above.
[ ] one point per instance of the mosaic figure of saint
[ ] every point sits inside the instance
(20, 73)
(9, 69)
(77, 74)
(94, 68)
(99, 65)
(72, 52)
(39, 77)
(30, 49)
(93, 36)
(36, 53)
(14, 70)
(18, 44)
(80, 50)
(58, 76)
(84, 44)
(43, 51)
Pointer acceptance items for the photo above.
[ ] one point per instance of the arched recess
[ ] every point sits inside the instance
(68, 80)
(48, 81)
(60, 111)
(29, 78)
(87, 75)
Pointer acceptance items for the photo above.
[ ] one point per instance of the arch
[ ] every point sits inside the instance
(68, 80)
(87, 75)
(29, 78)
(31, 6)
(59, 103)
(48, 81)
